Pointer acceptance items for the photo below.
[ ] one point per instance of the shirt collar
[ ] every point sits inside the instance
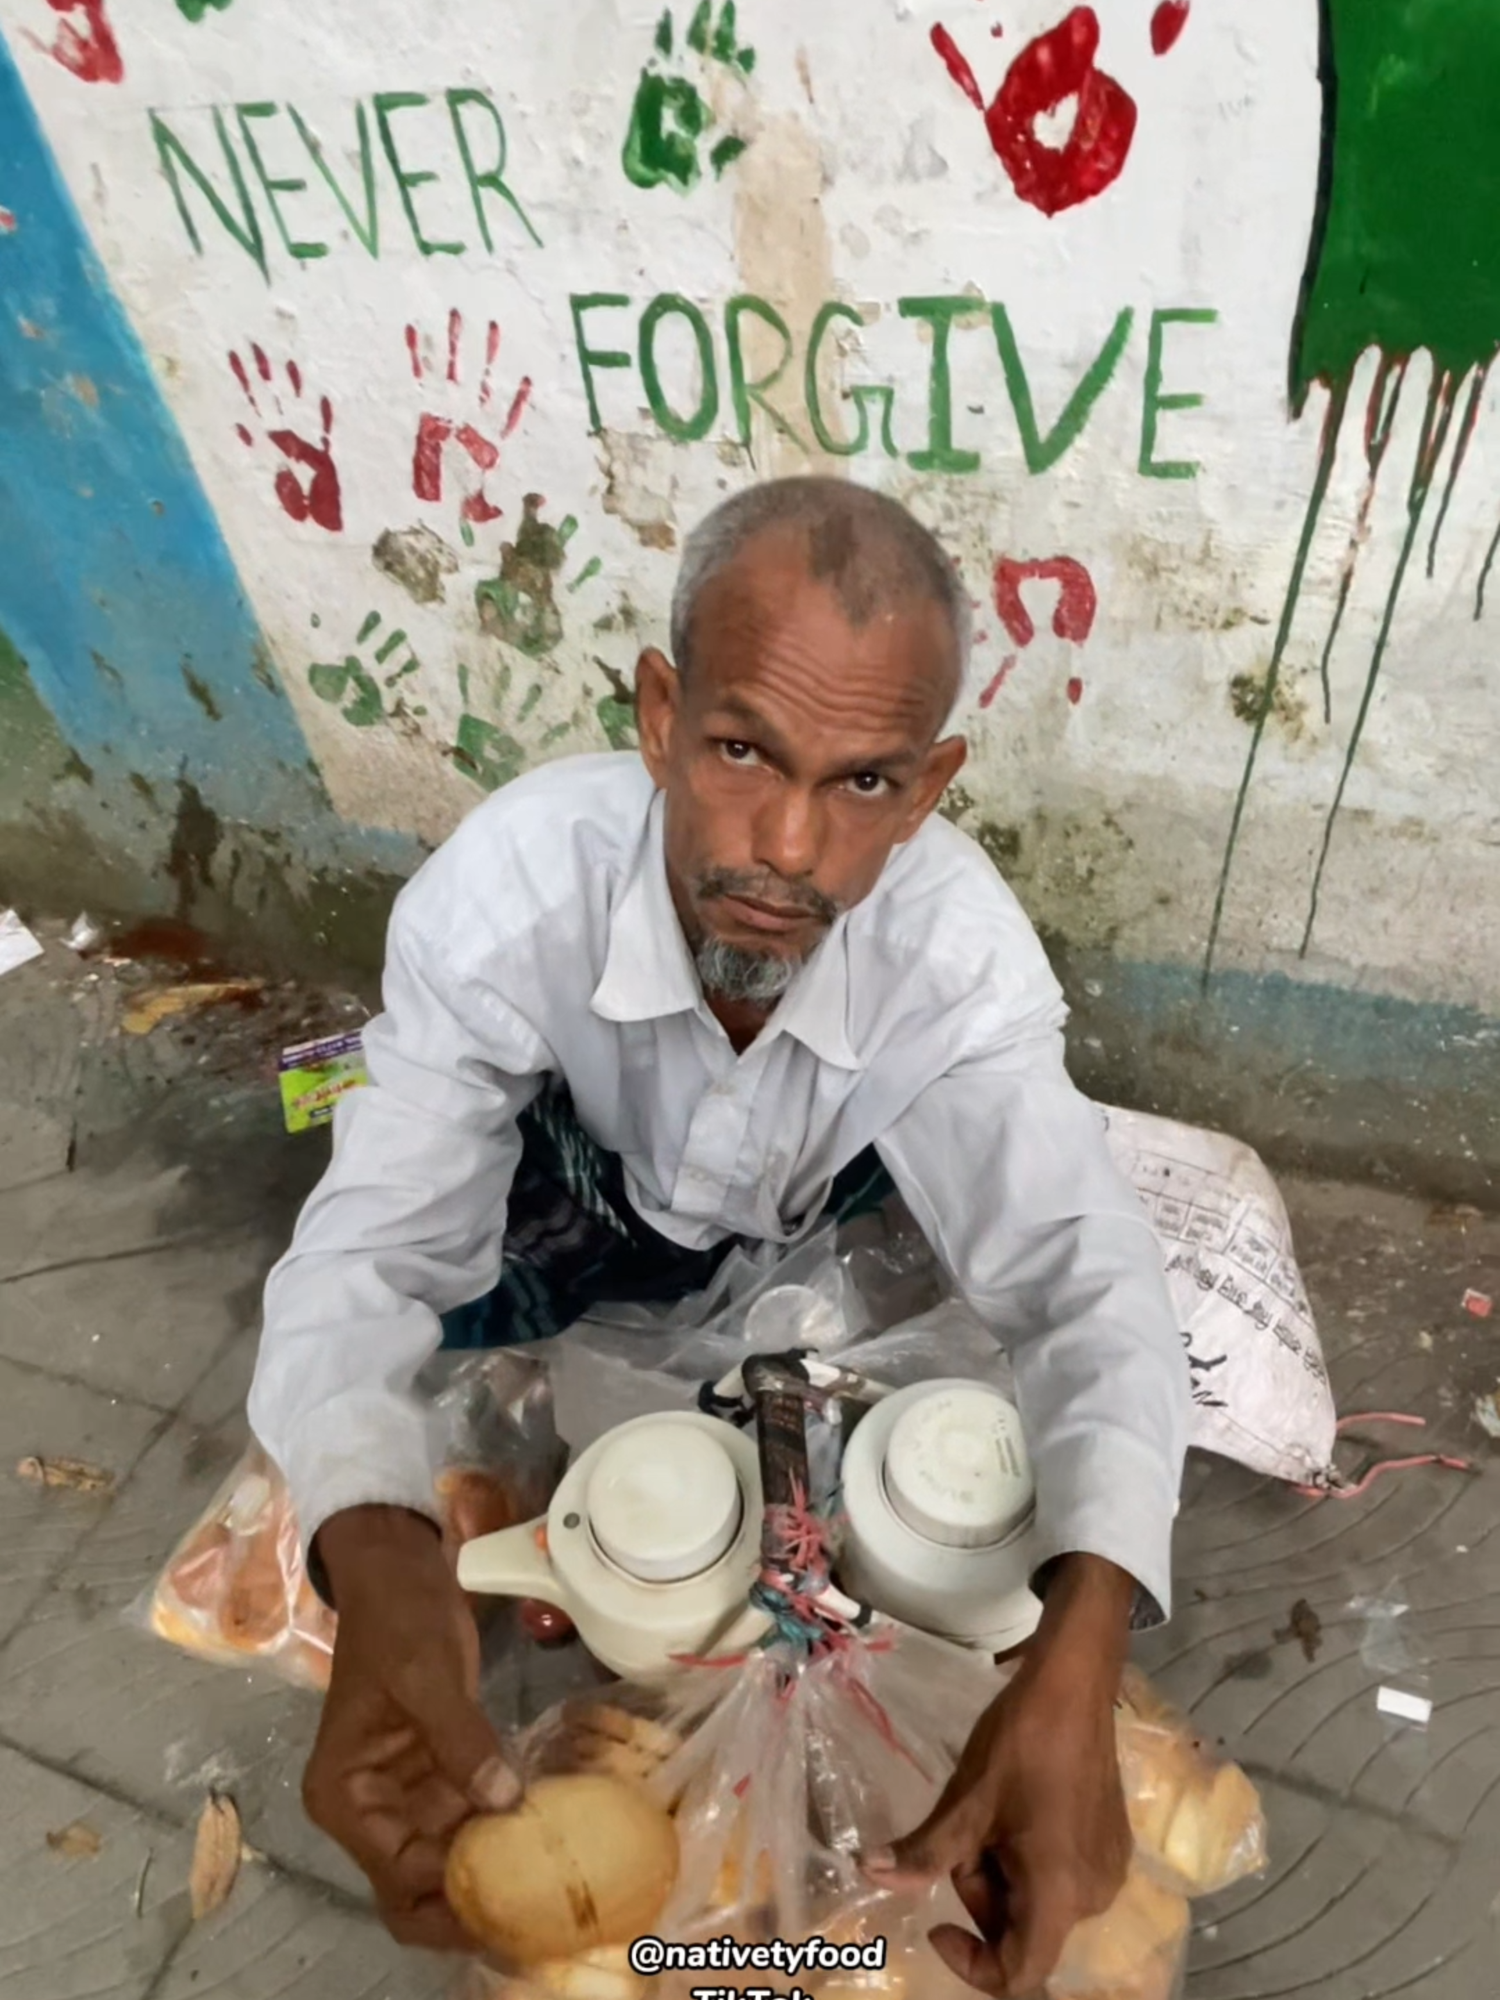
(649, 972)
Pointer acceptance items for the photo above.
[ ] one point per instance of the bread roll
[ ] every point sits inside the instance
(1217, 1834)
(1199, 1821)
(583, 1861)
(615, 1743)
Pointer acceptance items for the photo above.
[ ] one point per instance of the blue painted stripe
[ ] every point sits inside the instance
(114, 576)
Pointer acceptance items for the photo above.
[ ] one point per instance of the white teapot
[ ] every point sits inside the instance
(939, 1505)
(650, 1546)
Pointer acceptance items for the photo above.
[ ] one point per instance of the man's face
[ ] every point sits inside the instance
(799, 753)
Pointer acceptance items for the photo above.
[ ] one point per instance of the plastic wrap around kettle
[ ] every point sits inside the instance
(639, 1362)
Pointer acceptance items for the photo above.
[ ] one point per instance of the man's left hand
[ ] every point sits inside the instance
(1032, 1826)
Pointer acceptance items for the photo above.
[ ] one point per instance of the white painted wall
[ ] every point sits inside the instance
(868, 178)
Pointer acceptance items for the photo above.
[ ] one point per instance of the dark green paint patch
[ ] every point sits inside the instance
(34, 754)
(197, 834)
(264, 669)
(1255, 701)
(487, 754)
(1001, 843)
(202, 693)
(1404, 256)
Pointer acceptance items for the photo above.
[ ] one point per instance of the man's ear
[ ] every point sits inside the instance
(944, 762)
(658, 699)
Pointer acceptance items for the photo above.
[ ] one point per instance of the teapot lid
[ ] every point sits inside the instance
(956, 1467)
(664, 1501)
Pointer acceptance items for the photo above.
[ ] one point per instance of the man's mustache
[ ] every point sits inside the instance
(721, 882)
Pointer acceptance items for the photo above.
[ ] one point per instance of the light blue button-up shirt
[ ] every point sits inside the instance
(542, 940)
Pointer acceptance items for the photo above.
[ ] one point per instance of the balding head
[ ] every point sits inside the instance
(871, 553)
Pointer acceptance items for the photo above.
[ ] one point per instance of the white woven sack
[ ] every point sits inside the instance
(1260, 1387)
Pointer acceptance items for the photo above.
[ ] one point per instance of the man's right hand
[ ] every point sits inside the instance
(404, 1754)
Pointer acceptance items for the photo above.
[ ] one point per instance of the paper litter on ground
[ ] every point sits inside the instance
(1404, 1707)
(17, 945)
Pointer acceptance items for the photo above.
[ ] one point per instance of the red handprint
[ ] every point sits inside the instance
(311, 493)
(1077, 608)
(88, 50)
(1051, 69)
(435, 432)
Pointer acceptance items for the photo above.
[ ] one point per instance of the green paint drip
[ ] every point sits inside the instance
(1484, 576)
(1379, 422)
(1333, 420)
(1436, 419)
(587, 574)
(1405, 258)
(1460, 453)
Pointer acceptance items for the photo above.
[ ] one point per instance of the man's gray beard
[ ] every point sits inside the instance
(730, 972)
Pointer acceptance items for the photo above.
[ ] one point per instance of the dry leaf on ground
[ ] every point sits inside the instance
(78, 1841)
(75, 1473)
(216, 1855)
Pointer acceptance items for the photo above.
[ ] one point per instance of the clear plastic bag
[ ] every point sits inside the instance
(236, 1588)
(777, 1777)
(1136, 1951)
(1197, 1819)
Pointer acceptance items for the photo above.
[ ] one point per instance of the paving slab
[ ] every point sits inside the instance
(277, 1940)
(41, 1526)
(70, 1928)
(120, 1707)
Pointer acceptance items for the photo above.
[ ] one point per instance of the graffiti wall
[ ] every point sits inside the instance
(1175, 320)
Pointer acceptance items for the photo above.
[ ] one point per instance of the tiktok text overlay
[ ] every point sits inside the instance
(651, 1955)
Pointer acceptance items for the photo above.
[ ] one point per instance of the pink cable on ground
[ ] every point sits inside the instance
(1345, 1491)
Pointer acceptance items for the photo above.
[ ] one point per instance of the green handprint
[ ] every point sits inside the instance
(352, 684)
(518, 605)
(486, 751)
(670, 117)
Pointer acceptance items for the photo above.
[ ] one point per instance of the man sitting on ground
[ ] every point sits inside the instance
(638, 1009)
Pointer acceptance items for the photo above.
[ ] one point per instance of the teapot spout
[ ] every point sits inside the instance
(512, 1563)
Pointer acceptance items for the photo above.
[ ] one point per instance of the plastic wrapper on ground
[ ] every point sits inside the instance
(236, 1589)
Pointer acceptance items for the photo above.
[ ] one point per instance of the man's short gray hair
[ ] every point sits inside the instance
(874, 554)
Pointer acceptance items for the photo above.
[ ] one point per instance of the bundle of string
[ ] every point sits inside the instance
(810, 1620)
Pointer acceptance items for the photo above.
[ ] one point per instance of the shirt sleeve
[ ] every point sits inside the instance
(407, 1223)
(1006, 1167)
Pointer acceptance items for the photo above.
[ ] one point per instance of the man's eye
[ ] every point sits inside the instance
(869, 784)
(738, 753)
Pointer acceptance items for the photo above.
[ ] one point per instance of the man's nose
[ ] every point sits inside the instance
(789, 833)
